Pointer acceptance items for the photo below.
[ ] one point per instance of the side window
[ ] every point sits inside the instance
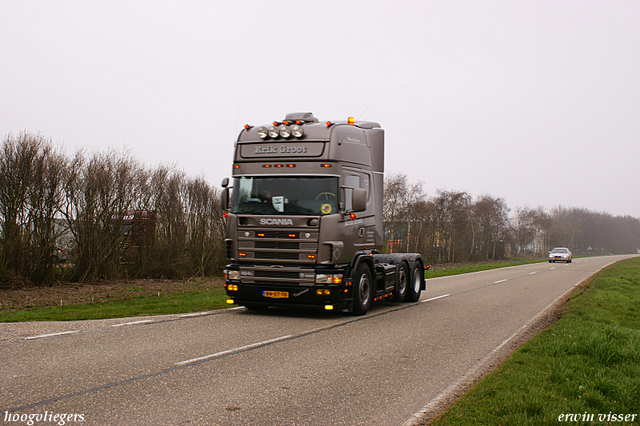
(354, 182)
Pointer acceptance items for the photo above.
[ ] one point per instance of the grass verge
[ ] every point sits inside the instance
(202, 299)
(477, 267)
(584, 369)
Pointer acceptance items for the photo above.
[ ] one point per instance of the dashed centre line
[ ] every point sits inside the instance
(435, 298)
(230, 351)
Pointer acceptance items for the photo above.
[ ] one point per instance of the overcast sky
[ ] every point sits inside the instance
(537, 102)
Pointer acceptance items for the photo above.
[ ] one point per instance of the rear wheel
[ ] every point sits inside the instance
(362, 290)
(415, 287)
(402, 282)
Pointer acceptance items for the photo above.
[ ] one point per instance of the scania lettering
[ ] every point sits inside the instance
(276, 222)
(304, 219)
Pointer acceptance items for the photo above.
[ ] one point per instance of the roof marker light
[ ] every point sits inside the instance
(351, 120)
(329, 124)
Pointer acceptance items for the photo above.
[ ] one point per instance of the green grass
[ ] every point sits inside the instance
(457, 270)
(588, 363)
(171, 303)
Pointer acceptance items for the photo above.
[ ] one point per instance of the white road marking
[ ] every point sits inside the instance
(435, 298)
(196, 314)
(230, 351)
(534, 272)
(51, 334)
(499, 281)
(130, 323)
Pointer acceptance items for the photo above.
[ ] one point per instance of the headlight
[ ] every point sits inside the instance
(328, 278)
(263, 132)
(273, 132)
(296, 130)
(232, 275)
(285, 131)
(324, 278)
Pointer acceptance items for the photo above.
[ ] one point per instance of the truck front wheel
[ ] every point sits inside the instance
(415, 287)
(362, 290)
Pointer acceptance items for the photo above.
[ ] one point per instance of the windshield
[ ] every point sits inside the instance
(559, 250)
(285, 195)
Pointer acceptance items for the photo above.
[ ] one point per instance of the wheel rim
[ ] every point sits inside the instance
(365, 294)
(416, 282)
(402, 281)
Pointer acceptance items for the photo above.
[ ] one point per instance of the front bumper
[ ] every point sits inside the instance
(328, 297)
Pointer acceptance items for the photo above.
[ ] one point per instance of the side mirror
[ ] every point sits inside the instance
(224, 197)
(359, 201)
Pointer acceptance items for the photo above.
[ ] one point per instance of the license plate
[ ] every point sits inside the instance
(276, 294)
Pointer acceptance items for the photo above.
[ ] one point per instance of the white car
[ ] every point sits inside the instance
(560, 254)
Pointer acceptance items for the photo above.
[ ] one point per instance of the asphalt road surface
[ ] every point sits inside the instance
(280, 367)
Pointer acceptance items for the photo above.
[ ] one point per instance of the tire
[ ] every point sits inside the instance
(362, 290)
(403, 278)
(415, 285)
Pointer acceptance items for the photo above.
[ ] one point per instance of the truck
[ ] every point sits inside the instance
(305, 220)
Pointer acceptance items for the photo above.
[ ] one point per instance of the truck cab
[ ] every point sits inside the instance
(304, 217)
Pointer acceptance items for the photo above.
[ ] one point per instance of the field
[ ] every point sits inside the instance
(111, 299)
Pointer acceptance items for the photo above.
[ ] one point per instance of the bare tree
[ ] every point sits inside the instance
(99, 191)
(30, 196)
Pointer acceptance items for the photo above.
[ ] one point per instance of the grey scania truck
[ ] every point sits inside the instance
(304, 219)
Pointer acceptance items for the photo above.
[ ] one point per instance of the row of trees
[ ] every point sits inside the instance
(49, 202)
(453, 227)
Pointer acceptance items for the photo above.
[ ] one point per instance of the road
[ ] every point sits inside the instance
(281, 367)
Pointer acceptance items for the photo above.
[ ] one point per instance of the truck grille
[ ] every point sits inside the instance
(294, 251)
(285, 245)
